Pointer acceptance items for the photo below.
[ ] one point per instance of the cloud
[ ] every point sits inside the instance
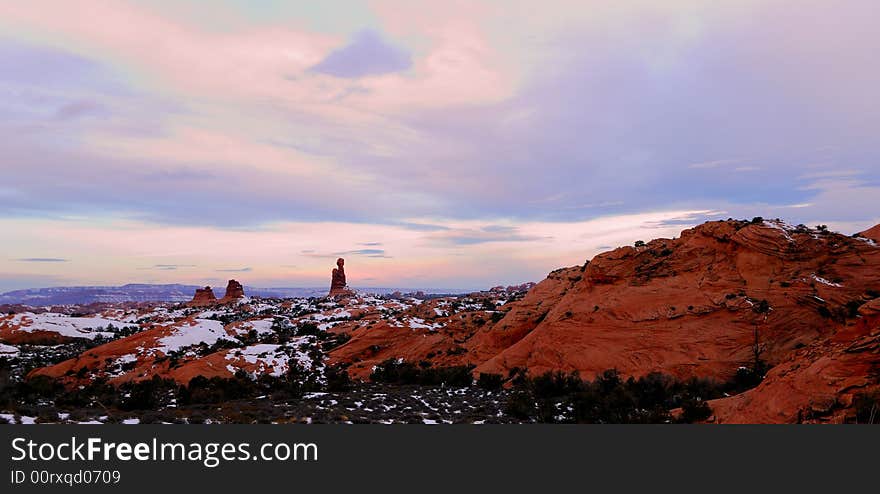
(482, 235)
(370, 244)
(42, 259)
(235, 270)
(714, 163)
(378, 253)
(364, 252)
(77, 109)
(366, 55)
(170, 267)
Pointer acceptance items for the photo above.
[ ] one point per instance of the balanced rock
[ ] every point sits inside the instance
(204, 297)
(234, 291)
(338, 286)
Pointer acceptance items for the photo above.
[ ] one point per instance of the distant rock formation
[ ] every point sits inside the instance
(204, 297)
(234, 291)
(872, 233)
(338, 286)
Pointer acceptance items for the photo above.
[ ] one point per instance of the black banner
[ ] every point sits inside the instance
(412, 458)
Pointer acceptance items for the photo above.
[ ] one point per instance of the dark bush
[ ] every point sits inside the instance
(337, 379)
(695, 410)
(394, 371)
(561, 397)
(490, 381)
(308, 329)
(867, 408)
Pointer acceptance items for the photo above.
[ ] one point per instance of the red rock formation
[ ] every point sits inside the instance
(686, 306)
(817, 383)
(338, 285)
(204, 297)
(234, 291)
(872, 233)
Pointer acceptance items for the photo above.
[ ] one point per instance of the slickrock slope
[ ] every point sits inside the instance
(817, 383)
(872, 233)
(690, 306)
(414, 330)
(204, 297)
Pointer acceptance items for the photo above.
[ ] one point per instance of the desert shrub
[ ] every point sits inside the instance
(148, 394)
(337, 379)
(561, 397)
(489, 381)
(852, 308)
(335, 340)
(867, 408)
(395, 371)
(520, 405)
(744, 379)
(308, 329)
(201, 389)
(695, 410)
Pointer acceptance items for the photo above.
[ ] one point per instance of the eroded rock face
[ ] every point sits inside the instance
(687, 306)
(872, 233)
(234, 291)
(818, 383)
(204, 297)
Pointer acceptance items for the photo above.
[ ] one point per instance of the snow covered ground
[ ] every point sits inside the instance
(64, 325)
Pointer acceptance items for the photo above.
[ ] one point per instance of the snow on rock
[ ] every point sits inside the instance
(781, 226)
(270, 359)
(8, 350)
(10, 418)
(419, 323)
(193, 332)
(64, 325)
(826, 282)
(261, 326)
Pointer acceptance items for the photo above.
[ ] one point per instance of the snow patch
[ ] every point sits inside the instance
(193, 333)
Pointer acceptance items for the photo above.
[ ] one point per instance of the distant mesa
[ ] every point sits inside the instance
(204, 297)
(234, 291)
(338, 286)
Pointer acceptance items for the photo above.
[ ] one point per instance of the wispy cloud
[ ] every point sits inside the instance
(482, 235)
(235, 270)
(378, 253)
(42, 259)
(703, 165)
(169, 267)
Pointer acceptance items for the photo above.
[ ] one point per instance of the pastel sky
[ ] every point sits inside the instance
(431, 144)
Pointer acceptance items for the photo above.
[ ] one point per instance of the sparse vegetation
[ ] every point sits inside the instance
(396, 371)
